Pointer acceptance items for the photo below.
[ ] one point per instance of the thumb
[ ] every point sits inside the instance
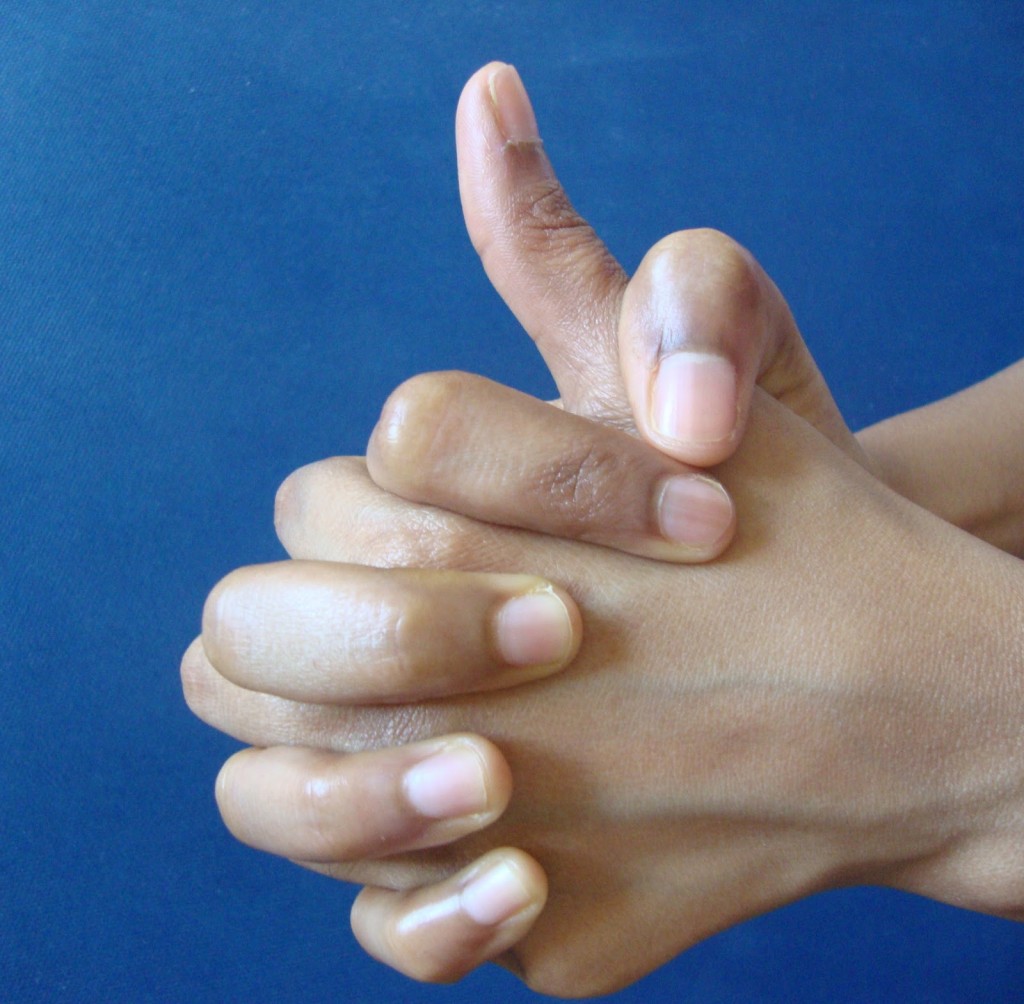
(551, 269)
(701, 325)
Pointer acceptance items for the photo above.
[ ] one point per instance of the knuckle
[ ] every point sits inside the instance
(415, 428)
(290, 501)
(396, 661)
(391, 725)
(432, 538)
(195, 680)
(318, 796)
(549, 209)
(548, 225)
(421, 540)
(404, 648)
(581, 489)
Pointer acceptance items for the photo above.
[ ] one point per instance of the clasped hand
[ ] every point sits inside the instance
(488, 688)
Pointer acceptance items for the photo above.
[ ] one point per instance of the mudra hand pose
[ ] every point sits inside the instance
(490, 689)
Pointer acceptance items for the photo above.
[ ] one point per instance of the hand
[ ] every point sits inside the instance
(836, 701)
(575, 295)
(699, 325)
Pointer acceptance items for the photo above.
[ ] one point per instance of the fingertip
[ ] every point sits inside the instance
(696, 514)
(496, 96)
(511, 106)
(476, 119)
(504, 887)
(439, 933)
(692, 333)
(539, 630)
(478, 84)
(465, 777)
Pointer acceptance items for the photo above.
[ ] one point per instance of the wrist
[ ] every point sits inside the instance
(968, 784)
(961, 458)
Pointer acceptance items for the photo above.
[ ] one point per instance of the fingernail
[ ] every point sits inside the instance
(447, 785)
(533, 630)
(694, 398)
(495, 895)
(694, 511)
(512, 107)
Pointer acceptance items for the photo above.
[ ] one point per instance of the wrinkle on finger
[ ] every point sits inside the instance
(348, 518)
(258, 719)
(547, 263)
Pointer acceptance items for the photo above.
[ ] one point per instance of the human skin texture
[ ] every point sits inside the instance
(578, 480)
(699, 294)
(836, 700)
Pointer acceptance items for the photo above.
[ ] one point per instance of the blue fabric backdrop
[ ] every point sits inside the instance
(228, 229)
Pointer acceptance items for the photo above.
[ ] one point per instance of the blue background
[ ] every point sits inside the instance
(228, 229)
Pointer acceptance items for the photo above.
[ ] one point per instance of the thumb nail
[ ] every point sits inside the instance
(694, 398)
(512, 107)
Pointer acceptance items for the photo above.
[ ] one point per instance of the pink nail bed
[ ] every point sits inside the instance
(533, 630)
(693, 510)
(495, 895)
(694, 398)
(512, 106)
(447, 785)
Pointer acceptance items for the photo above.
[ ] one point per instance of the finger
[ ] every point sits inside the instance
(260, 719)
(320, 806)
(329, 510)
(332, 511)
(439, 933)
(693, 342)
(483, 450)
(546, 262)
(337, 633)
(701, 324)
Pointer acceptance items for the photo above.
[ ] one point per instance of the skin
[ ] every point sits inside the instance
(962, 458)
(792, 718)
(691, 838)
(603, 348)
